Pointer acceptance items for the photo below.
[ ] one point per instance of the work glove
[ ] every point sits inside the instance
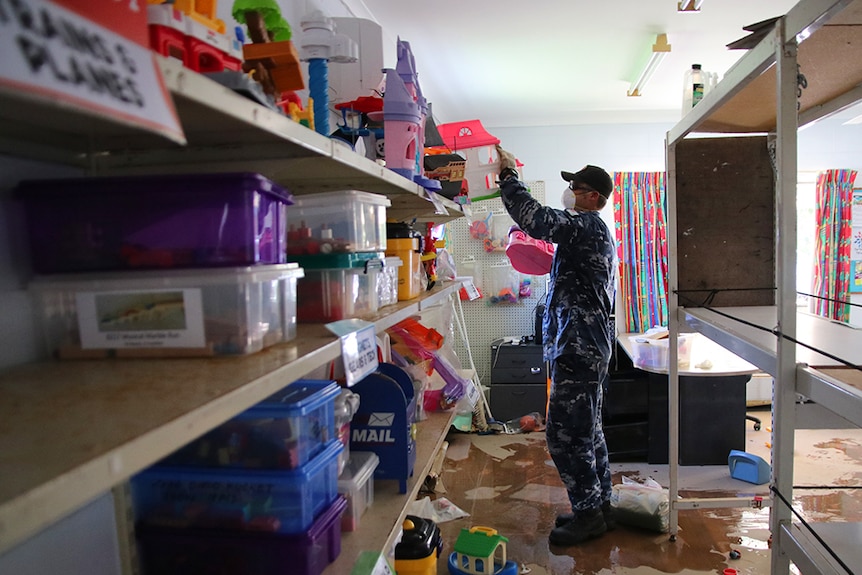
(508, 164)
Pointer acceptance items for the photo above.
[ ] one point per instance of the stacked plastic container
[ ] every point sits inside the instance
(405, 243)
(258, 494)
(161, 266)
(338, 238)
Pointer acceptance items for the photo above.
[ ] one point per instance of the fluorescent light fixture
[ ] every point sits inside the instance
(659, 50)
(689, 5)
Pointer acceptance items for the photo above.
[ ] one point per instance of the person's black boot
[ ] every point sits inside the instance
(607, 512)
(583, 526)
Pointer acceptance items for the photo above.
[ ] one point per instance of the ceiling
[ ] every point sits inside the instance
(513, 63)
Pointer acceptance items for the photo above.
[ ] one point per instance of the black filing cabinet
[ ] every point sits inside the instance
(711, 418)
(626, 410)
(519, 379)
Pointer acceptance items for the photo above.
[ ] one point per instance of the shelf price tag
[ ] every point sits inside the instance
(439, 207)
(358, 347)
(471, 392)
(469, 288)
(90, 56)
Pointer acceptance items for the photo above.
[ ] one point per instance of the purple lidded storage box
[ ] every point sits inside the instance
(189, 551)
(149, 222)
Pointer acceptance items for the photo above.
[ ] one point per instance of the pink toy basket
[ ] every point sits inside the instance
(529, 255)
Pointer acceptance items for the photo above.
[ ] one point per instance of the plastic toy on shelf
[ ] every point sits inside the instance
(404, 115)
(196, 38)
(357, 126)
(478, 146)
(320, 45)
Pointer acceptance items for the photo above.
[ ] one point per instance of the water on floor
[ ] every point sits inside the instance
(509, 483)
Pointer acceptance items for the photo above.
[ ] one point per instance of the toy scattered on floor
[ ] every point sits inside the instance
(734, 554)
(481, 551)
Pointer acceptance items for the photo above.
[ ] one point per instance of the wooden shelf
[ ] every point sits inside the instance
(744, 100)
(380, 526)
(226, 132)
(70, 431)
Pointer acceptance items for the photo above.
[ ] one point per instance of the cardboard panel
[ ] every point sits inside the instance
(725, 221)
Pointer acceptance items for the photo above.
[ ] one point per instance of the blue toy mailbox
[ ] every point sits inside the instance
(385, 422)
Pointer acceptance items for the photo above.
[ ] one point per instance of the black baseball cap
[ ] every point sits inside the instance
(594, 177)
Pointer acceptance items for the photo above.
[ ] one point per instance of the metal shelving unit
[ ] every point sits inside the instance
(759, 94)
(71, 431)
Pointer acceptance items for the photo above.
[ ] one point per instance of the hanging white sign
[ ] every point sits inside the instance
(87, 55)
(358, 347)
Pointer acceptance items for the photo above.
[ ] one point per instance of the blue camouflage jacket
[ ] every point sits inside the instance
(580, 296)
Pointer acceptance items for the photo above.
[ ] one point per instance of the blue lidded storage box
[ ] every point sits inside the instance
(244, 500)
(284, 431)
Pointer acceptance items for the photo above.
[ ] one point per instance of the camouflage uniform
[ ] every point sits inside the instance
(577, 338)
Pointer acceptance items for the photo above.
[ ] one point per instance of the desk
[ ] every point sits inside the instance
(711, 404)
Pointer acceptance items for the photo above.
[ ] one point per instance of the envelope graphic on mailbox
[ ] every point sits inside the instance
(381, 419)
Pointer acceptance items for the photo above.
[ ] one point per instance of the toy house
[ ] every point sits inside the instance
(481, 551)
(478, 147)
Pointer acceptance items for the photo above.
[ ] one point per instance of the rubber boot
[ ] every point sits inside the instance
(585, 525)
(607, 512)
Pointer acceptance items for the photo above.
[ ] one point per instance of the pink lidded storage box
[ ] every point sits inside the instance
(154, 222)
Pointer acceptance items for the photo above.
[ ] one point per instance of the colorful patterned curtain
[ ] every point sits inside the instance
(832, 245)
(640, 223)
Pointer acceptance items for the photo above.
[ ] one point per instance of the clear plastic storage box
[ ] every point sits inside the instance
(172, 221)
(189, 551)
(337, 222)
(284, 431)
(653, 353)
(246, 500)
(387, 281)
(337, 286)
(167, 313)
(356, 484)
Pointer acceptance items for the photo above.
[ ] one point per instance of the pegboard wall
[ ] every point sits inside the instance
(486, 322)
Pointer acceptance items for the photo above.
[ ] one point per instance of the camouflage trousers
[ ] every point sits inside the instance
(576, 440)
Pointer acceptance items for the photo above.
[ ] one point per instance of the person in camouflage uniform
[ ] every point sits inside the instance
(577, 337)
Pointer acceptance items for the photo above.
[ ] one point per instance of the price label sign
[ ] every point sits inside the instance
(439, 208)
(358, 347)
(91, 55)
(471, 392)
(470, 288)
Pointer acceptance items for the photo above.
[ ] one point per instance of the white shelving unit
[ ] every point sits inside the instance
(71, 431)
(759, 94)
